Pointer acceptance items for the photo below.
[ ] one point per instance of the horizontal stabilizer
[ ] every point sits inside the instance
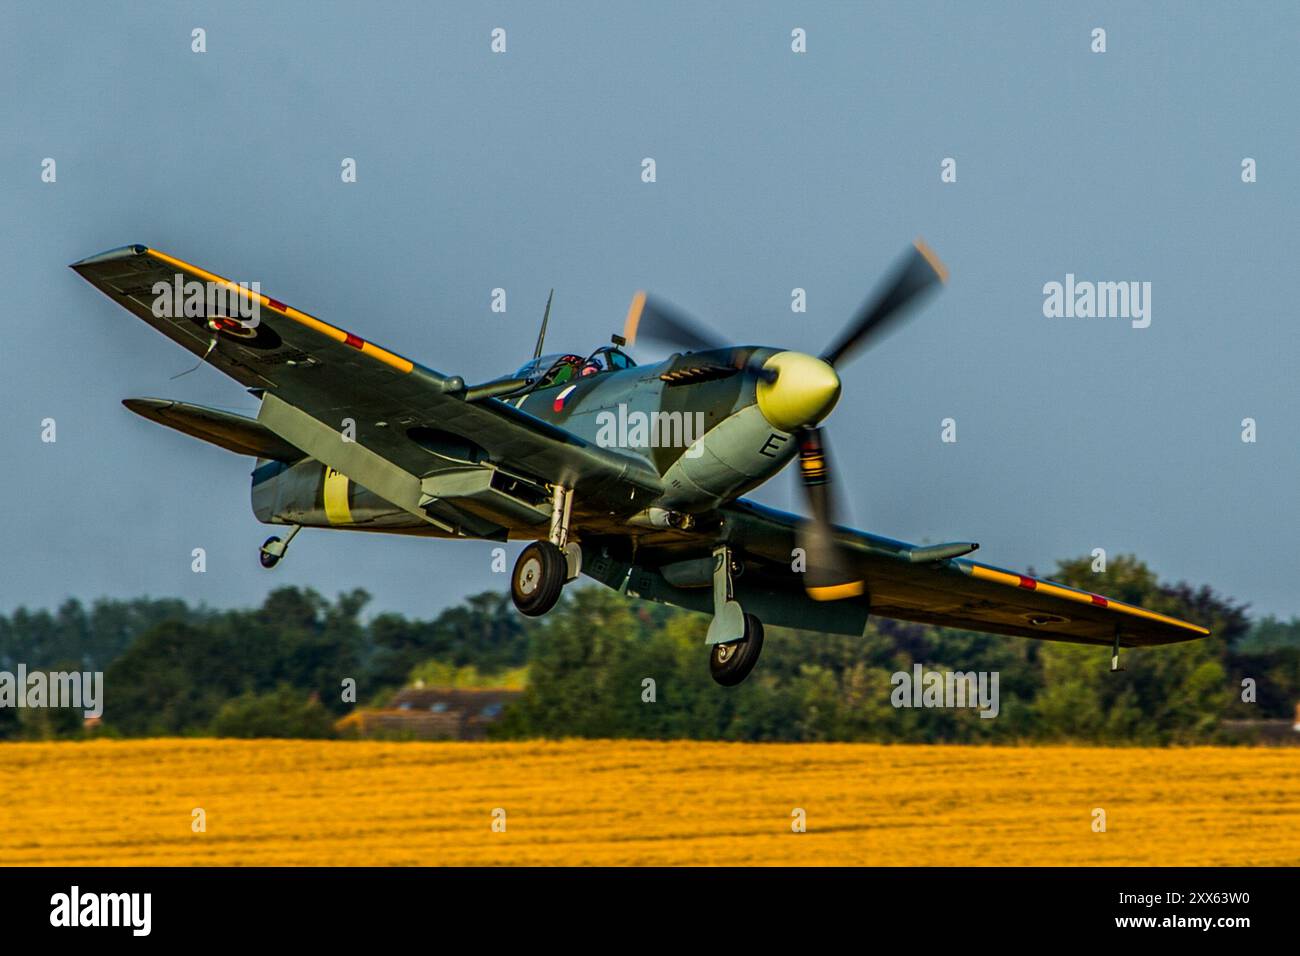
(244, 436)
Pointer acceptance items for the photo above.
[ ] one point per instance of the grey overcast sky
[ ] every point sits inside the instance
(775, 170)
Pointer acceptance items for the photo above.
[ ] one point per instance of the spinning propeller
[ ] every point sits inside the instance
(795, 391)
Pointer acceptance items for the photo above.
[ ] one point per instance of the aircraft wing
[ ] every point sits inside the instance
(315, 378)
(958, 592)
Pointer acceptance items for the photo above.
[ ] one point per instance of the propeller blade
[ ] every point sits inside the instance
(654, 320)
(828, 575)
(918, 272)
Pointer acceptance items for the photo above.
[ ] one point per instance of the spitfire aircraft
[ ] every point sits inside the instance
(353, 436)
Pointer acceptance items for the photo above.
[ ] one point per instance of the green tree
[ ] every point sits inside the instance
(441, 674)
(1165, 694)
(485, 631)
(283, 712)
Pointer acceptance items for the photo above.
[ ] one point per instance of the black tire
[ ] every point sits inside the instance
(268, 560)
(731, 663)
(538, 578)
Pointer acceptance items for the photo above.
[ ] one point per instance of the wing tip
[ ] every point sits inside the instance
(1051, 588)
(121, 252)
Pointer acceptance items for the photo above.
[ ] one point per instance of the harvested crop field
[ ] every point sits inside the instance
(617, 803)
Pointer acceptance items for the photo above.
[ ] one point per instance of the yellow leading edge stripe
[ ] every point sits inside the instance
(1079, 597)
(302, 318)
(836, 592)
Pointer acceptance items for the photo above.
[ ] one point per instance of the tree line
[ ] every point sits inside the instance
(601, 665)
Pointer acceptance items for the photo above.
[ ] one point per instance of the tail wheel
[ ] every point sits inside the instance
(538, 578)
(731, 663)
(268, 559)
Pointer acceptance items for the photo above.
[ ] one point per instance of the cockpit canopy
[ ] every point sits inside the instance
(560, 368)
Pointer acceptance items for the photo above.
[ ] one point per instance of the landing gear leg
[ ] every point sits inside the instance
(561, 513)
(544, 567)
(273, 548)
(1114, 654)
(735, 638)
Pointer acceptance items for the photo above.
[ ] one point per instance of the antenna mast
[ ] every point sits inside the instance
(541, 336)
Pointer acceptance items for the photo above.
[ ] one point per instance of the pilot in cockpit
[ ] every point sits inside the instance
(565, 368)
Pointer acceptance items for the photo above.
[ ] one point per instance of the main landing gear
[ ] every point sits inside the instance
(731, 663)
(544, 567)
(273, 548)
(735, 638)
(538, 578)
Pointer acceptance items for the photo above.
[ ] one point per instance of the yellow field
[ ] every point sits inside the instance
(616, 803)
